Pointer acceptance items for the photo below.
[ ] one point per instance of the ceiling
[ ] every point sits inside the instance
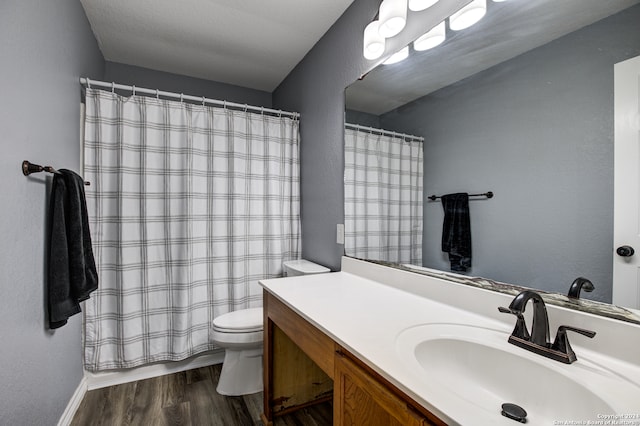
(508, 29)
(253, 44)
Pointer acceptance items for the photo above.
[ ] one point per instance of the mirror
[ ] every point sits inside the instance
(520, 104)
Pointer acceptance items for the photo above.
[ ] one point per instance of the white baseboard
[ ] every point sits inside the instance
(111, 378)
(74, 403)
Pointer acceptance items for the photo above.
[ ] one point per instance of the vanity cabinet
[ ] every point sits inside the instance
(304, 366)
(359, 398)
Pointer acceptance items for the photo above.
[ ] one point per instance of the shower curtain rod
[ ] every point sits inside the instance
(384, 132)
(88, 83)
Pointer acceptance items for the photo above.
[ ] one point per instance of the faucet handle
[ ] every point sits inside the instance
(561, 342)
(520, 329)
(588, 333)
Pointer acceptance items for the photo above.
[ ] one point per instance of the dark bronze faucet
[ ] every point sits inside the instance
(538, 340)
(580, 283)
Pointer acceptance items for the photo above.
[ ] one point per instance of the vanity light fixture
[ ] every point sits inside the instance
(468, 15)
(418, 5)
(431, 39)
(393, 17)
(400, 55)
(374, 43)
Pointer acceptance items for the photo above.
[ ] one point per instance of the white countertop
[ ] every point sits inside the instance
(366, 316)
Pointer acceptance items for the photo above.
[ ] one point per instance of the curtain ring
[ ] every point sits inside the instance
(157, 94)
(245, 107)
(133, 89)
(113, 87)
(224, 104)
(181, 97)
(262, 110)
(203, 101)
(279, 113)
(88, 83)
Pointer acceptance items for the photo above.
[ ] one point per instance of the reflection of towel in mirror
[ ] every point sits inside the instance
(456, 230)
(72, 268)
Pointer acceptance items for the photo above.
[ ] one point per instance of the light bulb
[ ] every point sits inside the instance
(418, 5)
(374, 43)
(400, 55)
(431, 39)
(393, 17)
(468, 15)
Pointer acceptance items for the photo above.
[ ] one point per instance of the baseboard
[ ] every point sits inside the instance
(74, 403)
(111, 378)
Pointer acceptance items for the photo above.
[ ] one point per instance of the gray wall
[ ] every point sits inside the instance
(315, 88)
(151, 79)
(45, 47)
(362, 118)
(538, 131)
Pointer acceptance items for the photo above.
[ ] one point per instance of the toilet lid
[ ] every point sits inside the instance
(243, 320)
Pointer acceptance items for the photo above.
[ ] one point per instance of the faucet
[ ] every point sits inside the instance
(538, 341)
(578, 284)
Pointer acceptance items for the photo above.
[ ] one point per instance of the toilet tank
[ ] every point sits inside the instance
(294, 268)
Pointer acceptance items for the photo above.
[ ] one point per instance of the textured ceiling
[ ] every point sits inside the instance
(509, 29)
(252, 44)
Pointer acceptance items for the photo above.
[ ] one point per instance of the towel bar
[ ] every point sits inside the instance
(485, 194)
(28, 168)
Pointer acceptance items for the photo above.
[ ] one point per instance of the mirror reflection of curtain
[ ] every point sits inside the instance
(190, 206)
(383, 196)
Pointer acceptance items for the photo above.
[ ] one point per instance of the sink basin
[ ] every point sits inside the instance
(472, 371)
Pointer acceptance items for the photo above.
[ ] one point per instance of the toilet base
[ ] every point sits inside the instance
(241, 372)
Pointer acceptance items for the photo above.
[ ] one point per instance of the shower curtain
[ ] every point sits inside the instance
(383, 197)
(190, 206)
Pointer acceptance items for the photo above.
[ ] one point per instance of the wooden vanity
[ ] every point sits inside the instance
(348, 339)
(304, 366)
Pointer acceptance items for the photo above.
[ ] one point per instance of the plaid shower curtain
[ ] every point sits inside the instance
(190, 206)
(383, 197)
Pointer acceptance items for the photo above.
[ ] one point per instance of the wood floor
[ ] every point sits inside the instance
(185, 398)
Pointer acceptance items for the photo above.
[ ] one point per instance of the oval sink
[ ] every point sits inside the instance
(475, 371)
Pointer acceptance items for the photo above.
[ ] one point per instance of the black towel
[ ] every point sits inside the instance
(456, 230)
(72, 268)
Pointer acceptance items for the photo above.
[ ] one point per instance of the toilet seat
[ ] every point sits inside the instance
(237, 329)
(241, 321)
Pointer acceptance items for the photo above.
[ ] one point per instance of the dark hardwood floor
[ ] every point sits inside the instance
(185, 398)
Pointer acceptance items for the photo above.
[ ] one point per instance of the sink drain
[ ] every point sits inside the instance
(514, 412)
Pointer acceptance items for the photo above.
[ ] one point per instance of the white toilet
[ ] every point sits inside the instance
(240, 334)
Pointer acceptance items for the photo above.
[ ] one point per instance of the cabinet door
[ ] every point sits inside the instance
(359, 399)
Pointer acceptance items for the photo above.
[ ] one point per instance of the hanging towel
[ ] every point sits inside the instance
(72, 268)
(456, 230)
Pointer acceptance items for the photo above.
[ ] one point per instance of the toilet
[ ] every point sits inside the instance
(240, 334)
